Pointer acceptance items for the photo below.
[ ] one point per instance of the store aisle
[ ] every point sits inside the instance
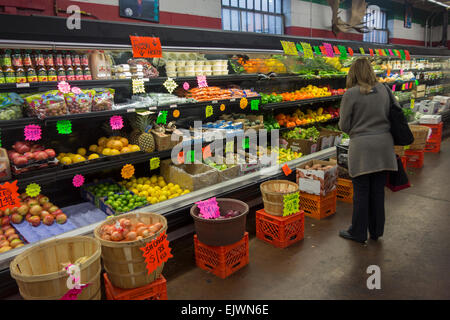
(413, 255)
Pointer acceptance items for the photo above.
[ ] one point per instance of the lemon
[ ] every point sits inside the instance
(153, 200)
(160, 178)
(170, 185)
(78, 158)
(173, 190)
(114, 152)
(145, 187)
(186, 191)
(153, 179)
(162, 198)
(135, 191)
(93, 156)
(165, 193)
(106, 151)
(93, 148)
(66, 160)
(143, 194)
(161, 183)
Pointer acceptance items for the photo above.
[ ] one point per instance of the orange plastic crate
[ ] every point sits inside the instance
(318, 207)
(280, 231)
(434, 147)
(404, 161)
(157, 290)
(436, 131)
(344, 188)
(414, 158)
(224, 260)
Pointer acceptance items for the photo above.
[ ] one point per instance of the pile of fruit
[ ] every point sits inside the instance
(26, 156)
(308, 92)
(300, 133)
(9, 239)
(106, 146)
(299, 118)
(124, 202)
(216, 93)
(262, 65)
(154, 188)
(35, 210)
(284, 155)
(128, 230)
(271, 123)
(220, 167)
(105, 189)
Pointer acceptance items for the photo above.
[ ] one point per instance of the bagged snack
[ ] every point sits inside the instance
(148, 70)
(10, 106)
(47, 104)
(103, 99)
(79, 103)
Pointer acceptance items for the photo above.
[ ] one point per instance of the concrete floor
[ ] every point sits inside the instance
(413, 255)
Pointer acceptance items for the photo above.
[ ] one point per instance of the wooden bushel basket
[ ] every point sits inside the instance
(40, 274)
(273, 192)
(123, 261)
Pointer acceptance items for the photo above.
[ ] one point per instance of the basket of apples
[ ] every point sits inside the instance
(35, 210)
(122, 238)
(26, 156)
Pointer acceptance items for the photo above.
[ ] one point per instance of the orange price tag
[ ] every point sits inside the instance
(156, 252)
(180, 158)
(127, 171)
(9, 197)
(287, 171)
(336, 50)
(207, 152)
(146, 47)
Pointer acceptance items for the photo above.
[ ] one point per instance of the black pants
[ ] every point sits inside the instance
(368, 205)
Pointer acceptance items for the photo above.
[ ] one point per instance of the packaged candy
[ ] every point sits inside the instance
(103, 99)
(79, 103)
(47, 104)
(10, 106)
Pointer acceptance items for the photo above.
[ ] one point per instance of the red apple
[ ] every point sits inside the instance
(55, 213)
(50, 152)
(61, 218)
(6, 227)
(15, 242)
(36, 210)
(14, 210)
(52, 209)
(16, 218)
(10, 232)
(28, 155)
(21, 147)
(32, 202)
(4, 221)
(44, 213)
(4, 243)
(40, 155)
(43, 200)
(12, 237)
(28, 216)
(20, 160)
(35, 221)
(23, 209)
(47, 206)
(48, 220)
(13, 154)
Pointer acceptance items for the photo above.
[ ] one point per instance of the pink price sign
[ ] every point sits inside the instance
(186, 86)
(78, 180)
(328, 49)
(32, 132)
(116, 122)
(209, 209)
(201, 81)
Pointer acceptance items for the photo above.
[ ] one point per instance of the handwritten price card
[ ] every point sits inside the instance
(307, 50)
(146, 47)
(328, 49)
(289, 48)
(156, 252)
(9, 197)
(209, 209)
(291, 204)
(32, 132)
(154, 163)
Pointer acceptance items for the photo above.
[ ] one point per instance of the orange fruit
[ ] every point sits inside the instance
(116, 144)
(125, 150)
(124, 141)
(110, 144)
(102, 141)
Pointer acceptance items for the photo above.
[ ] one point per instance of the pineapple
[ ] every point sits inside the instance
(141, 134)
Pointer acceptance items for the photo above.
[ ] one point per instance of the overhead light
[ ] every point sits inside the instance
(439, 3)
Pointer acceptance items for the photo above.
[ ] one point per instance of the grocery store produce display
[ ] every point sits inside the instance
(296, 95)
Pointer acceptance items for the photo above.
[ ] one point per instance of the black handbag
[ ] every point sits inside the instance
(400, 131)
(397, 180)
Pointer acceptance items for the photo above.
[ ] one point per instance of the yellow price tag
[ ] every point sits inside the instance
(307, 50)
(33, 189)
(154, 163)
(289, 48)
(291, 204)
(412, 103)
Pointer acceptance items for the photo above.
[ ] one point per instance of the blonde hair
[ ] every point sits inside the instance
(361, 73)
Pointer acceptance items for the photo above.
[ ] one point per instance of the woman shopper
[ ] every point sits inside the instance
(364, 117)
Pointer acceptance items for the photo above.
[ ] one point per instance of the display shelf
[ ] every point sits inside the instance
(171, 207)
(286, 104)
(311, 124)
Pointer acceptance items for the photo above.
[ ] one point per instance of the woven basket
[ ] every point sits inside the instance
(123, 261)
(273, 192)
(420, 134)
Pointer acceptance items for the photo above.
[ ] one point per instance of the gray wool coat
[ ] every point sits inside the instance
(365, 118)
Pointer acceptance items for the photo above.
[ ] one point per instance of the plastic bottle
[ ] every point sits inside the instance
(39, 59)
(59, 62)
(2, 77)
(84, 60)
(61, 74)
(7, 62)
(70, 73)
(17, 59)
(52, 75)
(48, 59)
(67, 59)
(79, 73)
(10, 75)
(42, 74)
(76, 59)
(87, 73)
(26, 59)
(31, 74)
(20, 75)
